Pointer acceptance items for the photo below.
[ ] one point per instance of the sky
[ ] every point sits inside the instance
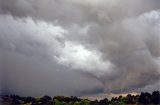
(79, 47)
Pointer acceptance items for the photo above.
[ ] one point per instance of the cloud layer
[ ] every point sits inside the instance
(70, 47)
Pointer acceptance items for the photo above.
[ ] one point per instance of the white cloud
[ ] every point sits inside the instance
(78, 57)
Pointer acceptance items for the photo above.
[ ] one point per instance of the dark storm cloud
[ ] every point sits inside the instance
(83, 11)
(28, 51)
(129, 44)
(53, 46)
(35, 77)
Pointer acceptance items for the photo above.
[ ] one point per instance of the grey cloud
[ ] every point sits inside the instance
(28, 76)
(130, 44)
(70, 11)
(27, 52)
(111, 45)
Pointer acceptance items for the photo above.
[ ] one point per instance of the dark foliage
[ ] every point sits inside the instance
(142, 99)
(147, 98)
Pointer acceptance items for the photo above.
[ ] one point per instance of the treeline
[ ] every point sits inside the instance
(142, 99)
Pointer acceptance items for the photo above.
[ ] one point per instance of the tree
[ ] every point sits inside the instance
(94, 102)
(145, 98)
(46, 100)
(155, 99)
(57, 102)
(16, 100)
(77, 103)
(104, 102)
(84, 102)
